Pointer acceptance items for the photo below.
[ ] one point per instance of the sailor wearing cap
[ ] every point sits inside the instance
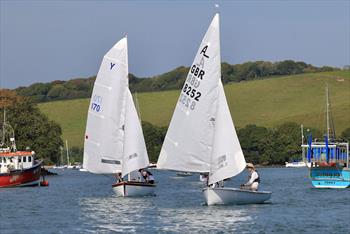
(254, 178)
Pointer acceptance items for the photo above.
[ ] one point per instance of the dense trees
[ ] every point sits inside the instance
(346, 135)
(261, 145)
(33, 130)
(80, 88)
(154, 137)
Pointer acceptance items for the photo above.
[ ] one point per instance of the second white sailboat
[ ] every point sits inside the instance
(114, 141)
(201, 136)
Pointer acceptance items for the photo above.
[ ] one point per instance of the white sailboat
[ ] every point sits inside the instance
(114, 141)
(201, 136)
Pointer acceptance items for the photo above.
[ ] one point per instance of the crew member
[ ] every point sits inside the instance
(147, 176)
(119, 177)
(254, 178)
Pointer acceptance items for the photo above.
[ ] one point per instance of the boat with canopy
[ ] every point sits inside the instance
(329, 159)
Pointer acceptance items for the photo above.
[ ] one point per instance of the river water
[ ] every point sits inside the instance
(81, 202)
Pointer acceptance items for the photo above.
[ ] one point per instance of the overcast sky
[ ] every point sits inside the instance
(42, 41)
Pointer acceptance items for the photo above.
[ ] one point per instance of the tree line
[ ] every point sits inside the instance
(34, 131)
(82, 87)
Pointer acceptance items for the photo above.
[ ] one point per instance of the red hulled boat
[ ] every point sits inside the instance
(17, 168)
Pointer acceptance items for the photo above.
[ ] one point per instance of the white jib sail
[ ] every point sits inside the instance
(103, 146)
(189, 140)
(135, 153)
(227, 156)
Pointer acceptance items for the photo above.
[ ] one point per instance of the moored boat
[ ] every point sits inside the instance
(183, 174)
(17, 168)
(298, 164)
(329, 159)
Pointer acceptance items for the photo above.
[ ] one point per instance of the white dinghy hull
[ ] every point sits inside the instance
(226, 196)
(134, 189)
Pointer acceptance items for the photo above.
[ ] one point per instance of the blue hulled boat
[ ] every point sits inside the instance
(329, 159)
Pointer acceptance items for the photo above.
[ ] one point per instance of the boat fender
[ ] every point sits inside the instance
(44, 183)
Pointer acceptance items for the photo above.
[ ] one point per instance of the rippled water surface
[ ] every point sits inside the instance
(80, 202)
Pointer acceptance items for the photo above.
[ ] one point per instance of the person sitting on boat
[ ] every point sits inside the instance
(254, 179)
(147, 176)
(119, 177)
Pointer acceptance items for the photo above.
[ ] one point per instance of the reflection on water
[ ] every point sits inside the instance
(141, 214)
(203, 219)
(77, 202)
(118, 214)
(178, 207)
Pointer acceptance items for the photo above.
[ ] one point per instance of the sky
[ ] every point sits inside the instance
(42, 41)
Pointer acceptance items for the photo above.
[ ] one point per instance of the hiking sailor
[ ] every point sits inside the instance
(254, 179)
(147, 176)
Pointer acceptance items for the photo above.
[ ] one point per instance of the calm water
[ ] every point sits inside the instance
(80, 202)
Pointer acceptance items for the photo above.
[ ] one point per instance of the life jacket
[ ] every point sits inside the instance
(257, 179)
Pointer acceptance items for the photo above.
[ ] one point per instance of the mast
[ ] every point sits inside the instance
(302, 133)
(67, 153)
(330, 131)
(327, 111)
(3, 128)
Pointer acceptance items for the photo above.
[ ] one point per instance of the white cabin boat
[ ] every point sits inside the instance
(298, 164)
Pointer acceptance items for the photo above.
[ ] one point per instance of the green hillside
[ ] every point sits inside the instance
(268, 102)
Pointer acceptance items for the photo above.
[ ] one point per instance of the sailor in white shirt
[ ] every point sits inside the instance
(254, 178)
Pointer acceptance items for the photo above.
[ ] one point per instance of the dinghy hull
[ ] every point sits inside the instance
(226, 196)
(134, 189)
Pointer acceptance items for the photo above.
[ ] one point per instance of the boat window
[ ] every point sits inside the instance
(0, 160)
(19, 159)
(4, 160)
(29, 159)
(24, 159)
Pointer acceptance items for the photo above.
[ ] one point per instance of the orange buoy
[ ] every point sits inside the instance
(44, 183)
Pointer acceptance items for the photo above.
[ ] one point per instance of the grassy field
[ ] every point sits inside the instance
(268, 102)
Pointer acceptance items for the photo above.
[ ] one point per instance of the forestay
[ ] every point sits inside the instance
(201, 136)
(103, 147)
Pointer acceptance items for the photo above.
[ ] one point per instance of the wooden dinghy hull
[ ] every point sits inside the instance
(228, 196)
(133, 189)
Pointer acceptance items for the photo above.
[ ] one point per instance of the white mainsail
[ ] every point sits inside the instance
(189, 139)
(201, 135)
(109, 135)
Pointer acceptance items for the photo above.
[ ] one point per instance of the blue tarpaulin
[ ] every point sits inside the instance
(327, 148)
(309, 150)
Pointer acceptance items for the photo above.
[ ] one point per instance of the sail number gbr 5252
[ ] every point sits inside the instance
(190, 94)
